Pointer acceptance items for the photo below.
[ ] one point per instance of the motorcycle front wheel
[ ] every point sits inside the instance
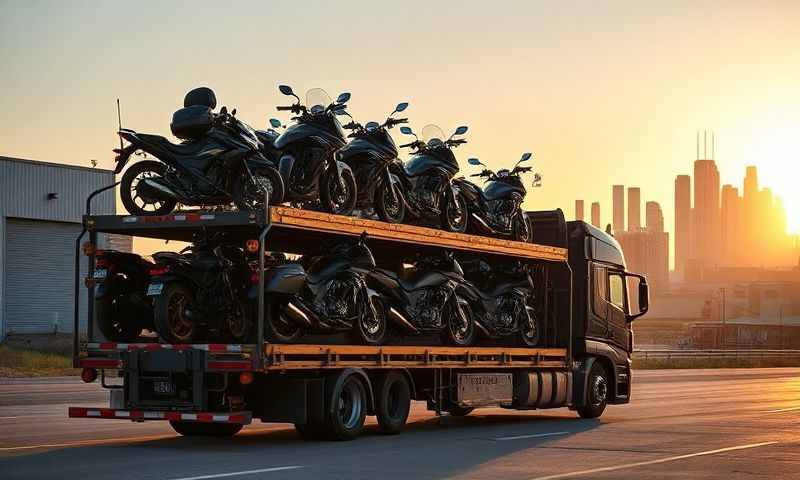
(339, 199)
(370, 329)
(529, 333)
(116, 323)
(248, 194)
(389, 210)
(459, 331)
(522, 229)
(279, 328)
(137, 201)
(454, 215)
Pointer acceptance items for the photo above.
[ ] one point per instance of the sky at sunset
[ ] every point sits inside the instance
(600, 92)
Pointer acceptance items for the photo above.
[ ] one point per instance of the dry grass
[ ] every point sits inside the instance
(655, 364)
(22, 362)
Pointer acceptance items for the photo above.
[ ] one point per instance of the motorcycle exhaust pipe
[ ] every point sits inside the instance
(297, 314)
(483, 329)
(152, 188)
(482, 225)
(403, 321)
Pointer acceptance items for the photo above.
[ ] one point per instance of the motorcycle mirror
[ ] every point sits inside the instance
(474, 161)
(525, 157)
(274, 122)
(233, 112)
(461, 130)
(400, 107)
(286, 90)
(341, 110)
(406, 131)
(223, 110)
(343, 98)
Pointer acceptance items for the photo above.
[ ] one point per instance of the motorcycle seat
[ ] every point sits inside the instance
(186, 149)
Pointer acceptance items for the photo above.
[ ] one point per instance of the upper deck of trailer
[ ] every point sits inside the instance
(293, 230)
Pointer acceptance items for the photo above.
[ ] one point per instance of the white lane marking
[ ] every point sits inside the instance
(790, 409)
(652, 462)
(243, 472)
(81, 443)
(8, 418)
(534, 435)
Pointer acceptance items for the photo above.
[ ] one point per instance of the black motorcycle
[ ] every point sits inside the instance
(501, 297)
(423, 299)
(201, 292)
(307, 163)
(369, 154)
(219, 162)
(121, 308)
(496, 209)
(323, 294)
(421, 190)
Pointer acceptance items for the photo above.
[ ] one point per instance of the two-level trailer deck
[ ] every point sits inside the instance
(327, 390)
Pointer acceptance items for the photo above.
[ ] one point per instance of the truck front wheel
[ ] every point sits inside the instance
(200, 429)
(597, 394)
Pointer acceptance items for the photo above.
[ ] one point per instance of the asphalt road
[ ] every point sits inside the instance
(709, 424)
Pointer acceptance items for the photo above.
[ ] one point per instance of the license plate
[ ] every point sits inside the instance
(154, 289)
(100, 274)
(163, 388)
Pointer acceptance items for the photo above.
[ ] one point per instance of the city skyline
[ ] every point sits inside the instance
(656, 77)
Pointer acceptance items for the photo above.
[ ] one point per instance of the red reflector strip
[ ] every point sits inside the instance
(206, 417)
(230, 365)
(100, 363)
(214, 347)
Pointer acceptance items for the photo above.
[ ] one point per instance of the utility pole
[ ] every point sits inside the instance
(724, 326)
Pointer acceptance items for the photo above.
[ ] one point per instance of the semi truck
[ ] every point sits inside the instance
(585, 303)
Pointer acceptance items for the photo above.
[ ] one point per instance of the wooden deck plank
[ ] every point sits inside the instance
(325, 222)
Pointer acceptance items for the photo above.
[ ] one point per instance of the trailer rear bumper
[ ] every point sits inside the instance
(241, 418)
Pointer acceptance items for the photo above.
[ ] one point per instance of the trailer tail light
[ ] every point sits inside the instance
(156, 271)
(89, 248)
(252, 246)
(89, 375)
(246, 378)
(254, 277)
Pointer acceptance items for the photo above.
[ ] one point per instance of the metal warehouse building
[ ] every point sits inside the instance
(41, 205)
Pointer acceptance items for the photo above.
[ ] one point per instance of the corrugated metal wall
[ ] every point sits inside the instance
(24, 189)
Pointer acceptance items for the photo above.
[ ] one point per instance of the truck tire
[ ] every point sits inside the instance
(200, 429)
(345, 407)
(597, 393)
(392, 401)
(310, 431)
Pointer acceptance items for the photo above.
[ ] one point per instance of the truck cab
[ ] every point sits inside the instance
(605, 300)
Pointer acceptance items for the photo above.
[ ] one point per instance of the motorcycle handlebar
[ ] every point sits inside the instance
(281, 109)
(412, 144)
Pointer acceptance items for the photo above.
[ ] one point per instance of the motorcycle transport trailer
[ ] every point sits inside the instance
(327, 390)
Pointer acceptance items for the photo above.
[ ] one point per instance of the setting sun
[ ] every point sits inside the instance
(776, 151)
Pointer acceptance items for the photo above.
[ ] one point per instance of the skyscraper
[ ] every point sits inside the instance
(596, 214)
(654, 217)
(634, 209)
(683, 220)
(579, 210)
(706, 231)
(619, 208)
(730, 215)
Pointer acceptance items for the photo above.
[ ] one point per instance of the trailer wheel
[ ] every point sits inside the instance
(458, 411)
(393, 402)
(310, 431)
(200, 429)
(346, 407)
(597, 396)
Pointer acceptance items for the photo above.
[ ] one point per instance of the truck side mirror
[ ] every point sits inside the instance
(643, 298)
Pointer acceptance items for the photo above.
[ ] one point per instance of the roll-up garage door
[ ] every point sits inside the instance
(39, 276)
